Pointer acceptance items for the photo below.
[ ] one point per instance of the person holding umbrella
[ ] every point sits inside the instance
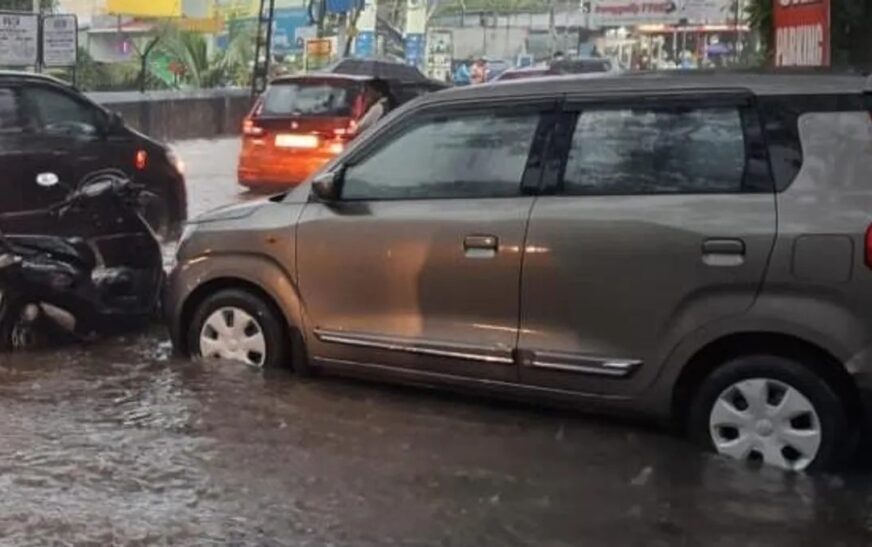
(378, 100)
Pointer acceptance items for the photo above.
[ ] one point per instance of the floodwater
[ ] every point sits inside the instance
(120, 443)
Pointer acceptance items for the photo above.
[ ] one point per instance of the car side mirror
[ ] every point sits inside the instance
(326, 186)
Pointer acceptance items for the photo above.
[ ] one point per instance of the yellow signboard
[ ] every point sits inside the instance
(145, 8)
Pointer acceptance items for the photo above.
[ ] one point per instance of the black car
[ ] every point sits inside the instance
(49, 130)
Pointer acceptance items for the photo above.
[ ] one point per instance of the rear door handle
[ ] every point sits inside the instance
(480, 246)
(723, 252)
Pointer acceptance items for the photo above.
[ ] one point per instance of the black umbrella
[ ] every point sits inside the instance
(385, 69)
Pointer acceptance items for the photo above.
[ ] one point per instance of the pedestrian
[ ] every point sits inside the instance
(479, 72)
(461, 74)
(378, 101)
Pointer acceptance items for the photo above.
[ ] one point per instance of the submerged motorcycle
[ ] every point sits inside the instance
(86, 266)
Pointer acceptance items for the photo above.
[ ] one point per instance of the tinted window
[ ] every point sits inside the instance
(10, 112)
(656, 151)
(308, 99)
(58, 112)
(452, 156)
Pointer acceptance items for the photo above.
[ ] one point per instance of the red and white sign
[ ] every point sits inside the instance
(802, 32)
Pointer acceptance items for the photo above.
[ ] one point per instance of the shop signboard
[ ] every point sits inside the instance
(319, 53)
(628, 13)
(60, 44)
(802, 33)
(440, 52)
(19, 39)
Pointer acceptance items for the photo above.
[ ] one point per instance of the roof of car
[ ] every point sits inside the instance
(667, 81)
(32, 76)
(321, 76)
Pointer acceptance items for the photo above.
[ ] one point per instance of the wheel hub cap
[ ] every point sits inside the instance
(766, 420)
(232, 334)
(765, 428)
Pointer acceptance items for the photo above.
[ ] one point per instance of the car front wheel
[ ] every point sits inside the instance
(771, 410)
(237, 325)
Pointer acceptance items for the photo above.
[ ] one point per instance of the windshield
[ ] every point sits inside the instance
(315, 98)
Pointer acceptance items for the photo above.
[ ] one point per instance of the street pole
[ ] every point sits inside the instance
(36, 11)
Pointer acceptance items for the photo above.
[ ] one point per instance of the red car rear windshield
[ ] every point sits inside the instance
(310, 98)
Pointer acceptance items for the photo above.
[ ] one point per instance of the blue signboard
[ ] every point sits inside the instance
(342, 6)
(287, 21)
(364, 44)
(285, 25)
(415, 50)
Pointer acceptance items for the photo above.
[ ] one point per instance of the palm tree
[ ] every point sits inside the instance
(199, 69)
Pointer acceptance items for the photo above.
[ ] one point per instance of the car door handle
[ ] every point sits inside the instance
(480, 246)
(723, 252)
(723, 246)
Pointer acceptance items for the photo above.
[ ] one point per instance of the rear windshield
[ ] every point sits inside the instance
(310, 98)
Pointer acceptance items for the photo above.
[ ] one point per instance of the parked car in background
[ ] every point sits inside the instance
(50, 131)
(584, 65)
(495, 67)
(525, 73)
(689, 247)
(302, 122)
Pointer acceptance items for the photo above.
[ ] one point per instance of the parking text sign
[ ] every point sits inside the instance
(802, 33)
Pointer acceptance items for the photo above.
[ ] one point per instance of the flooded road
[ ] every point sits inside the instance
(119, 443)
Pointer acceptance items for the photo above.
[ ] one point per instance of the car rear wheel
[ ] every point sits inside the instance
(237, 325)
(771, 410)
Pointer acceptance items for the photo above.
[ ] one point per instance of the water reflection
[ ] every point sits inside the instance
(120, 443)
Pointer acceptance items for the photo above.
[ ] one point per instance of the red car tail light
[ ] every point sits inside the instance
(140, 161)
(251, 129)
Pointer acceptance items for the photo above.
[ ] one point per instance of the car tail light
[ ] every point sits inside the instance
(251, 129)
(868, 247)
(140, 161)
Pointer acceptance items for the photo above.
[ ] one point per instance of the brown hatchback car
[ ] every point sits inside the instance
(694, 247)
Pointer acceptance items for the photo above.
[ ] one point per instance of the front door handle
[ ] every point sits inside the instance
(723, 252)
(480, 246)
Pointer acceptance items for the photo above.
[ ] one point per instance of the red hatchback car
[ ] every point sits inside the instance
(298, 125)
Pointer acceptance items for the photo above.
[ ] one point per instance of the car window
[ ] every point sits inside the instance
(60, 113)
(450, 156)
(308, 99)
(656, 151)
(11, 118)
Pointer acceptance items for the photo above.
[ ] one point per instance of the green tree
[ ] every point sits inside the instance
(761, 19)
(231, 66)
